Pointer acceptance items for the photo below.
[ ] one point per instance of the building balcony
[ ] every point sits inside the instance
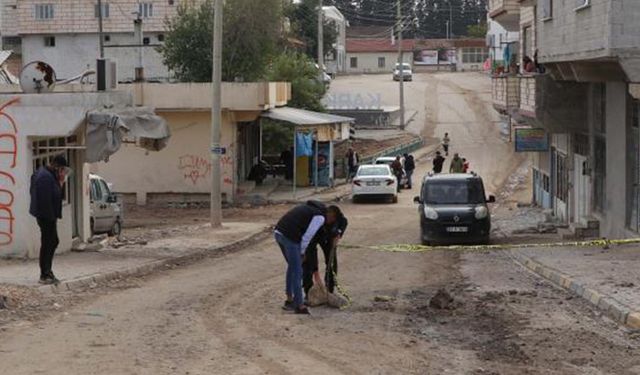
(557, 106)
(506, 13)
(505, 93)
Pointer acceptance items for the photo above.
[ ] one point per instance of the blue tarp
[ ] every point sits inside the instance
(304, 144)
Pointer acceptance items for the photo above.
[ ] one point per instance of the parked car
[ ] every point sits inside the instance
(406, 74)
(106, 209)
(453, 209)
(374, 181)
(388, 160)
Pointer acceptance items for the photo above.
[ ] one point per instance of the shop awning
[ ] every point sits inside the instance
(303, 117)
(108, 129)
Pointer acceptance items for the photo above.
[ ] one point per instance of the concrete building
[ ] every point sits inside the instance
(499, 39)
(376, 55)
(586, 100)
(65, 34)
(25, 144)
(181, 173)
(336, 62)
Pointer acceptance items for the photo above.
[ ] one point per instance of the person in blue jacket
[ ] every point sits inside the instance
(46, 207)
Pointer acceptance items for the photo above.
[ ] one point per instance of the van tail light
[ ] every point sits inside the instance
(357, 182)
(390, 182)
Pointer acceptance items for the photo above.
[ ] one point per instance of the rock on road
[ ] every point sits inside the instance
(223, 316)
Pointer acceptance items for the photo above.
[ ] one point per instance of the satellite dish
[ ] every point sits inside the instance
(37, 77)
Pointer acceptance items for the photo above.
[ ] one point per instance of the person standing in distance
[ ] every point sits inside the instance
(294, 232)
(46, 207)
(438, 162)
(445, 143)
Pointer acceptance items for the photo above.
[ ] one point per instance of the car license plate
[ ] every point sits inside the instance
(373, 183)
(457, 229)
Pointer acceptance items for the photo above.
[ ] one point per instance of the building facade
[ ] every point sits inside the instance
(376, 55)
(584, 95)
(65, 34)
(336, 62)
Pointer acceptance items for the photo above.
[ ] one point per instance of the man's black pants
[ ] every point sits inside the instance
(48, 244)
(310, 265)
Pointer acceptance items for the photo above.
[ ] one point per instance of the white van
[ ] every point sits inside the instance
(106, 210)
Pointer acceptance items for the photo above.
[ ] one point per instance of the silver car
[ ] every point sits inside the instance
(406, 74)
(106, 210)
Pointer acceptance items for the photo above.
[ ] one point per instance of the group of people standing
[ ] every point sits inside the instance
(458, 164)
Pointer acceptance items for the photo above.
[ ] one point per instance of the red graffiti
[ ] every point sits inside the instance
(6, 204)
(226, 160)
(194, 167)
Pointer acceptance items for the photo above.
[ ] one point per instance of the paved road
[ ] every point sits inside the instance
(223, 316)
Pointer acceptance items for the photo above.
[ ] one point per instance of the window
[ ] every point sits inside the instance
(547, 9)
(353, 62)
(474, 55)
(145, 10)
(382, 62)
(105, 10)
(107, 38)
(146, 41)
(160, 37)
(526, 42)
(43, 153)
(49, 41)
(44, 11)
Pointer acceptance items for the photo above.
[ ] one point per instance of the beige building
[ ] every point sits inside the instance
(181, 173)
(64, 33)
(584, 95)
(375, 55)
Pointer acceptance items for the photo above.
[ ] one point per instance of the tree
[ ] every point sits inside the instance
(304, 24)
(477, 31)
(306, 90)
(251, 36)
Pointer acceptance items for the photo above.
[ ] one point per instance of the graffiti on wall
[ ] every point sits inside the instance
(8, 160)
(194, 168)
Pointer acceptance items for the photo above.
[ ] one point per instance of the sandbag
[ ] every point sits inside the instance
(318, 295)
(337, 300)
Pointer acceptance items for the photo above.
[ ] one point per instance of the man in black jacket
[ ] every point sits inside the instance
(328, 237)
(46, 207)
(294, 232)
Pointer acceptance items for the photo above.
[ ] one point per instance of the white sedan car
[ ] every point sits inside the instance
(389, 160)
(375, 181)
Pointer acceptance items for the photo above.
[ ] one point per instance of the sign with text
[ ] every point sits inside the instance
(531, 140)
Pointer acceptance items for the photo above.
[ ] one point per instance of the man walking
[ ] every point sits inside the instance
(294, 233)
(438, 162)
(46, 207)
(445, 143)
(353, 160)
(409, 167)
(328, 238)
(457, 165)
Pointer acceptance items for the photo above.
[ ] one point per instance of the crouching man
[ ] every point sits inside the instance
(294, 232)
(328, 237)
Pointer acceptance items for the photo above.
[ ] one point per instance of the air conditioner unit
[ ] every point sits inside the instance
(106, 75)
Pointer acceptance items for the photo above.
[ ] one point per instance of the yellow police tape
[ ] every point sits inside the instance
(409, 248)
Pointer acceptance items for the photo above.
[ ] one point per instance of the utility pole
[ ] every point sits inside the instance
(216, 117)
(138, 36)
(100, 35)
(400, 64)
(320, 41)
(450, 20)
(447, 22)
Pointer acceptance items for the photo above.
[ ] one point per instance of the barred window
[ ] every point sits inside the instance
(474, 55)
(44, 11)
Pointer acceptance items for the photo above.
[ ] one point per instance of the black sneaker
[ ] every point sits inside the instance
(303, 310)
(47, 281)
(288, 306)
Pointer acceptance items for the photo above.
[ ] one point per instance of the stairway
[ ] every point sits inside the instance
(589, 229)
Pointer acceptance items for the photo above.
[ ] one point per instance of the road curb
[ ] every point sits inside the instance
(151, 266)
(606, 304)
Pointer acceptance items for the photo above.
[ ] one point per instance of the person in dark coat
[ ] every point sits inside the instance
(328, 237)
(438, 162)
(294, 232)
(398, 170)
(46, 207)
(409, 167)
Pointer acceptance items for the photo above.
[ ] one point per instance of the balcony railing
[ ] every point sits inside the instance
(528, 96)
(505, 93)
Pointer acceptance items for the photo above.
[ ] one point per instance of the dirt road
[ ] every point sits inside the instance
(223, 315)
